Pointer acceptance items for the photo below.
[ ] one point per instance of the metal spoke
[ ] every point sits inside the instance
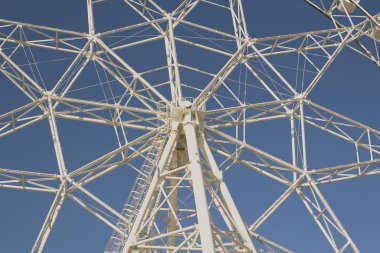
(187, 102)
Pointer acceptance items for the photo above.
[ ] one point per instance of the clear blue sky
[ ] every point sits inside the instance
(350, 87)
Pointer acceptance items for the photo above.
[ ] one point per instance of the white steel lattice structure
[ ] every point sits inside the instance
(181, 125)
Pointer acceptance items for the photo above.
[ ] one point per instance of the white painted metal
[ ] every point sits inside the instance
(132, 206)
(347, 6)
(218, 174)
(198, 183)
(180, 151)
(164, 160)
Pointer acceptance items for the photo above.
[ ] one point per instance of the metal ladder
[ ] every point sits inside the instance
(137, 194)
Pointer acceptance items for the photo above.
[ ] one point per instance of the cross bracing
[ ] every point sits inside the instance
(196, 119)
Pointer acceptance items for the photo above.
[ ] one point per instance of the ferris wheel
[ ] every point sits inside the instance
(179, 96)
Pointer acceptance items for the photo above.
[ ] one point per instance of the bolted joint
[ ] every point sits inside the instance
(289, 113)
(299, 96)
(48, 94)
(218, 176)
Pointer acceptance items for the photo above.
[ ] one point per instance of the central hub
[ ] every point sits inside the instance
(186, 104)
(186, 113)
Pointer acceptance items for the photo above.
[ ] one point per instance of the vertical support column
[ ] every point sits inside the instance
(238, 221)
(91, 24)
(198, 185)
(173, 200)
(370, 144)
(56, 140)
(238, 21)
(61, 194)
(303, 136)
(172, 61)
(294, 150)
(164, 159)
(90, 16)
